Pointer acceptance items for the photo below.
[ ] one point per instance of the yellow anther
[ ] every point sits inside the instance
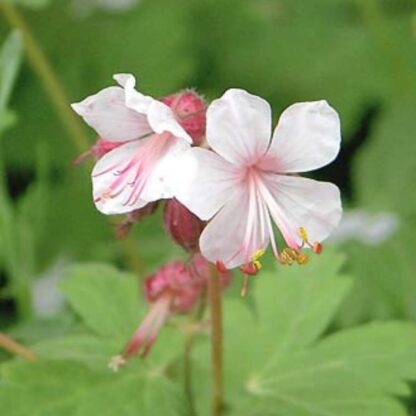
(258, 254)
(288, 256)
(303, 234)
(258, 264)
(256, 258)
(302, 259)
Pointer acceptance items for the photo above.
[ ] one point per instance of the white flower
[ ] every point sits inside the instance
(138, 171)
(246, 183)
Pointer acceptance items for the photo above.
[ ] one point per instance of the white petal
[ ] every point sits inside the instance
(130, 176)
(160, 117)
(223, 239)
(301, 202)
(307, 137)
(239, 126)
(159, 184)
(107, 113)
(107, 171)
(204, 182)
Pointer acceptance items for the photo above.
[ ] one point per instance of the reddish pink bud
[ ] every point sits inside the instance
(176, 280)
(183, 226)
(124, 228)
(174, 289)
(190, 109)
(100, 148)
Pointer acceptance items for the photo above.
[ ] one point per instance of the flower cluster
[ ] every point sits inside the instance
(234, 181)
(229, 183)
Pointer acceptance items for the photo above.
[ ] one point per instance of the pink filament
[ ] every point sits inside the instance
(262, 208)
(145, 337)
(142, 164)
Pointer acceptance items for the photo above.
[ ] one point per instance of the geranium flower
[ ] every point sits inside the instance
(136, 172)
(247, 182)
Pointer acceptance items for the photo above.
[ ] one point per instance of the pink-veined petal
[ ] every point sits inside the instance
(160, 182)
(237, 232)
(159, 116)
(130, 176)
(307, 137)
(107, 113)
(296, 202)
(239, 126)
(204, 182)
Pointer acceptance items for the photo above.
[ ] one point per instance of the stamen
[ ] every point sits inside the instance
(317, 247)
(249, 269)
(245, 287)
(302, 259)
(256, 258)
(290, 255)
(303, 234)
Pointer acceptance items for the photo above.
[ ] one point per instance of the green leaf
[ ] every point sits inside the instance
(105, 298)
(41, 329)
(280, 363)
(299, 302)
(10, 59)
(354, 372)
(66, 388)
(72, 376)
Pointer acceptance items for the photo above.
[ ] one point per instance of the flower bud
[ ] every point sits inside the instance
(100, 148)
(175, 288)
(176, 280)
(190, 109)
(183, 226)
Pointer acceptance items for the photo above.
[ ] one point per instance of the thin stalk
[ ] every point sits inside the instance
(215, 300)
(47, 75)
(53, 87)
(192, 331)
(187, 369)
(14, 347)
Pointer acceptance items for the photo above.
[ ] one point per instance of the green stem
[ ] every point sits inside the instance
(60, 102)
(47, 75)
(187, 369)
(14, 347)
(215, 299)
(191, 333)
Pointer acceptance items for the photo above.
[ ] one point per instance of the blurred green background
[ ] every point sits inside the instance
(359, 55)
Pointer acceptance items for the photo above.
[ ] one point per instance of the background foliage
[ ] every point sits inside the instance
(309, 341)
